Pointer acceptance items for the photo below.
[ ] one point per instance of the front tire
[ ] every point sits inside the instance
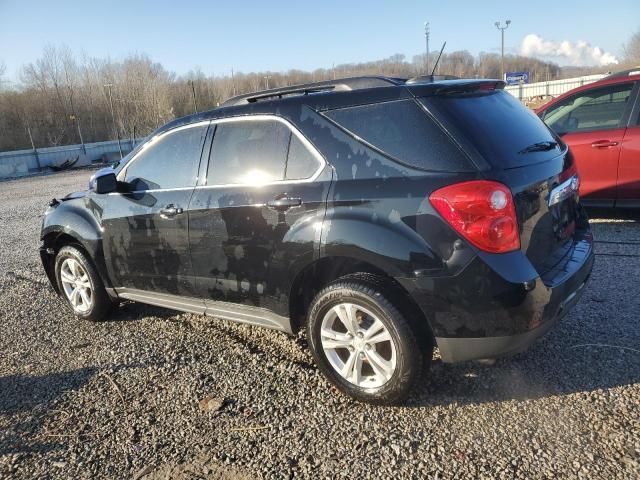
(362, 342)
(80, 285)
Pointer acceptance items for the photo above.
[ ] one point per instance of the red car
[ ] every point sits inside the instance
(601, 124)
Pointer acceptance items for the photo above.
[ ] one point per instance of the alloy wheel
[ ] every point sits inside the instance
(76, 285)
(358, 345)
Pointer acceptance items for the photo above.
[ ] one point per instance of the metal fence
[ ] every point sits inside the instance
(24, 162)
(527, 91)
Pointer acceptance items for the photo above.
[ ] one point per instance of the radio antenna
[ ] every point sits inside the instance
(438, 59)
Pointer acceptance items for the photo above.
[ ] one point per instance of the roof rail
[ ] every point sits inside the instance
(430, 79)
(624, 73)
(340, 84)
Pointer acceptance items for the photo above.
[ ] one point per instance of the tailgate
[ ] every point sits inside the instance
(546, 199)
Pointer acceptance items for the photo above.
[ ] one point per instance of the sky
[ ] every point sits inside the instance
(274, 35)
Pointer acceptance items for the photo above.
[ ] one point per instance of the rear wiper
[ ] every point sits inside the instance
(539, 147)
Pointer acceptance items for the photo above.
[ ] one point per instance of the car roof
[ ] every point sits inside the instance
(339, 93)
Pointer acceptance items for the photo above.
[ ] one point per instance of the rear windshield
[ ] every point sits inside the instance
(497, 125)
(403, 130)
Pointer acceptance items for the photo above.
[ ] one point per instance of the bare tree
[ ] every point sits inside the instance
(632, 50)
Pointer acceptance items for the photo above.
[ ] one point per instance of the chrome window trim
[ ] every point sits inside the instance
(322, 163)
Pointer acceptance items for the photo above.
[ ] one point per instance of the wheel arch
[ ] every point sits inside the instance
(70, 226)
(329, 268)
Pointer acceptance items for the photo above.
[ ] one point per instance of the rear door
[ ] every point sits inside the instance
(593, 124)
(255, 218)
(146, 236)
(629, 166)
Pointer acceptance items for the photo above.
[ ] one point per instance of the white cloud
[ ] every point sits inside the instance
(578, 53)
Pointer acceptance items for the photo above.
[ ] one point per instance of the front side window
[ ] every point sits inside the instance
(597, 109)
(170, 162)
(248, 152)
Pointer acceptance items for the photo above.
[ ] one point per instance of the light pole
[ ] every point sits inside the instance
(426, 36)
(502, 29)
(113, 117)
(266, 80)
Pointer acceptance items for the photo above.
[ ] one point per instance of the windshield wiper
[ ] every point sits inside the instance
(539, 147)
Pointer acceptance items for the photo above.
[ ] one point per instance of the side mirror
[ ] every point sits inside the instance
(103, 181)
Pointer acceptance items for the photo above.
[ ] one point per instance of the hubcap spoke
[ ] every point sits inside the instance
(85, 297)
(74, 297)
(66, 276)
(379, 365)
(376, 328)
(332, 339)
(346, 314)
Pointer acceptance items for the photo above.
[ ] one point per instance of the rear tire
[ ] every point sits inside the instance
(362, 342)
(80, 285)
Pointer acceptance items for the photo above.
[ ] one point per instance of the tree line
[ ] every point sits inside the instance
(65, 99)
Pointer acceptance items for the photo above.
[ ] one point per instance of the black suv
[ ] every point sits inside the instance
(386, 216)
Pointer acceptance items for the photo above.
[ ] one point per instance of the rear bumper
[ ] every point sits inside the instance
(462, 349)
(479, 314)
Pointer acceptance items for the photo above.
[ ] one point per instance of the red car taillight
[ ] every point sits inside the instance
(481, 211)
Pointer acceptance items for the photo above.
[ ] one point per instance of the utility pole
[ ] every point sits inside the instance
(266, 81)
(233, 82)
(33, 146)
(195, 103)
(113, 117)
(502, 29)
(426, 36)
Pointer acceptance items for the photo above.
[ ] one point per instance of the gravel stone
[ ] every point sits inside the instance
(119, 399)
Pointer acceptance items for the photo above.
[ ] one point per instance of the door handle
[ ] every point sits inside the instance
(284, 203)
(603, 144)
(170, 211)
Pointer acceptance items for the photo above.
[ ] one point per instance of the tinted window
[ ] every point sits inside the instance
(170, 162)
(301, 163)
(496, 124)
(404, 131)
(596, 109)
(248, 151)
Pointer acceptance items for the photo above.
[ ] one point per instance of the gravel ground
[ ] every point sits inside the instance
(120, 399)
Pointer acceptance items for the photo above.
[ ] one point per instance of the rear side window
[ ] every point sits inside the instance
(404, 131)
(248, 152)
(597, 109)
(497, 125)
(169, 162)
(301, 163)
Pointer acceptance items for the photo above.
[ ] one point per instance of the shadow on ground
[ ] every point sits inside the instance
(27, 399)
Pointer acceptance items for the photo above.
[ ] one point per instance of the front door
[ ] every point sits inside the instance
(593, 124)
(146, 235)
(257, 214)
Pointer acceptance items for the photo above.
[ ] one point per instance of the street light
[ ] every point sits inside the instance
(502, 29)
(266, 80)
(426, 36)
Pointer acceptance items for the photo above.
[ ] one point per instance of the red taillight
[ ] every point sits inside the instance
(482, 212)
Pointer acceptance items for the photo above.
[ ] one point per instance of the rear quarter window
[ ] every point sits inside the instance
(405, 132)
(496, 124)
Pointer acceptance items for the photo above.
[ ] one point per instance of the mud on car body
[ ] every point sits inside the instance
(386, 216)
